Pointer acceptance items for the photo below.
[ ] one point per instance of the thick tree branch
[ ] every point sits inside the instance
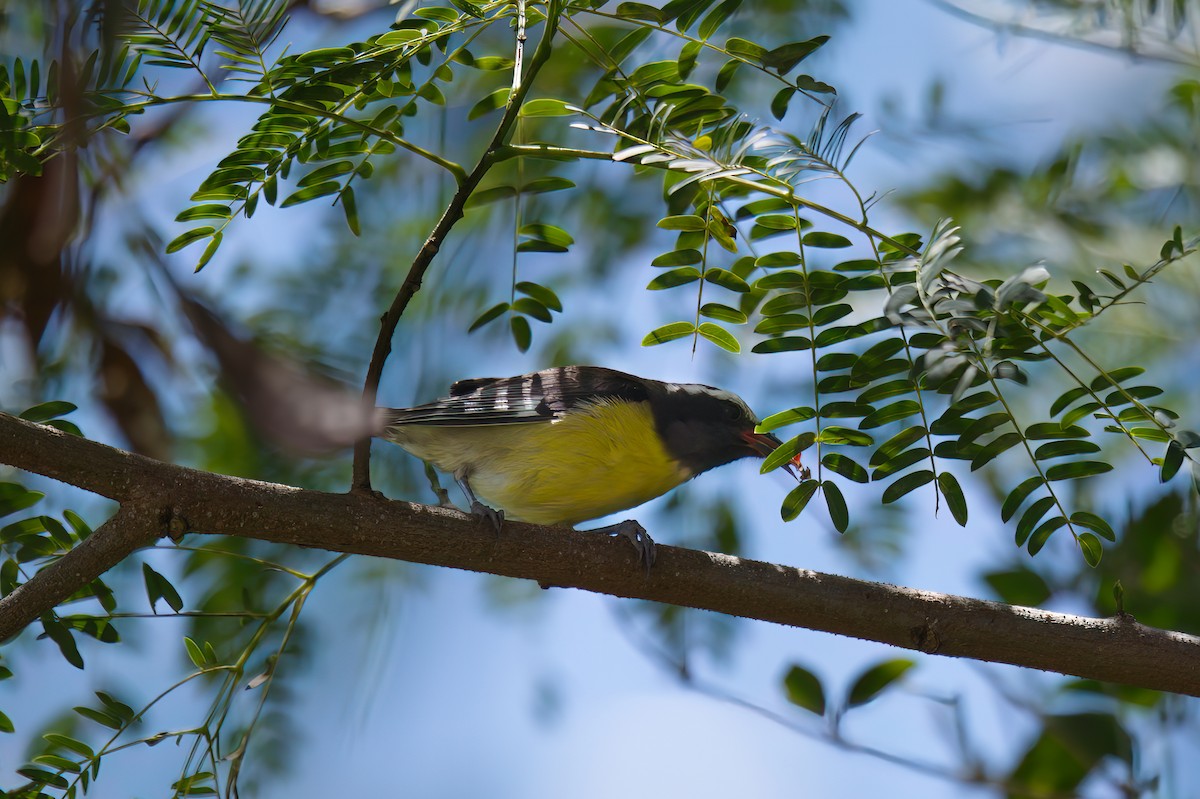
(128, 530)
(1113, 650)
(361, 479)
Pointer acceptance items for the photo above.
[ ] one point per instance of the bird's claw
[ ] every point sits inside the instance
(493, 516)
(643, 544)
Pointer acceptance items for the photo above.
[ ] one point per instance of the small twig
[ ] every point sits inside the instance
(361, 480)
(519, 58)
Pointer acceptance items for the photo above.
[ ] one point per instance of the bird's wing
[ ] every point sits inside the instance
(537, 397)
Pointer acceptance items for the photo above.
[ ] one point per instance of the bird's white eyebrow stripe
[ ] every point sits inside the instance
(697, 389)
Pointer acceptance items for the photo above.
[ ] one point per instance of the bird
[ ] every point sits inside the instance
(572, 443)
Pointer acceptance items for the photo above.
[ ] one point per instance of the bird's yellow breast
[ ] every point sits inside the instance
(597, 459)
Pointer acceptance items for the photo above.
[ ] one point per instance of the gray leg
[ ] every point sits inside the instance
(478, 509)
(637, 535)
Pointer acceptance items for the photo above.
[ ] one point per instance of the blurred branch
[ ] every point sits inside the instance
(361, 480)
(1077, 39)
(157, 497)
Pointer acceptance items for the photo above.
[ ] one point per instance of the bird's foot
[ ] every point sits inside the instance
(491, 515)
(643, 544)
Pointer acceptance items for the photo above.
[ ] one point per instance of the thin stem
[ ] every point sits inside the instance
(519, 58)
(812, 333)
(361, 481)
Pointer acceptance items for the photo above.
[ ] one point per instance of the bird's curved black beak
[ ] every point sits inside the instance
(762, 444)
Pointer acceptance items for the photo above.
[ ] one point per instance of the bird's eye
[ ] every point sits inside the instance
(733, 413)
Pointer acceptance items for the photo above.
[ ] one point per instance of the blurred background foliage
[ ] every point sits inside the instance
(85, 316)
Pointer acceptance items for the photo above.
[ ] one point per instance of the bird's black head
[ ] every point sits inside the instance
(704, 427)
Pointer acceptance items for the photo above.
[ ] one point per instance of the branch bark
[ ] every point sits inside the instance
(1114, 650)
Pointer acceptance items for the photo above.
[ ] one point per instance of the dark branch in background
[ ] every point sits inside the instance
(1066, 38)
(361, 480)
(1113, 650)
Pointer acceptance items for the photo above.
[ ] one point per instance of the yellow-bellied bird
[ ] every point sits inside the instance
(572, 443)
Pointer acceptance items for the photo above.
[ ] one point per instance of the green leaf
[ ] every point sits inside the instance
(6, 724)
(1031, 517)
(723, 313)
(897, 444)
(784, 344)
(66, 742)
(195, 653)
(953, 495)
(839, 514)
(57, 632)
(716, 18)
(993, 448)
(902, 409)
(803, 689)
(678, 258)
(641, 11)
(774, 260)
(744, 47)
(787, 451)
(496, 100)
(797, 499)
(900, 462)
(487, 316)
(15, 497)
(719, 336)
(190, 236)
(119, 709)
(46, 411)
(100, 717)
(1172, 460)
(834, 435)
(207, 211)
(326, 172)
(521, 334)
(541, 293)
(1091, 548)
(43, 777)
(905, 484)
(545, 107)
(350, 209)
(1044, 430)
(781, 101)
(490, 195)
(1074, 471)
(309, 193)
(1066, 398)
(676, 277)
(1083, 518)
(684, 222)
(1042, 534)
(726, 280)
(784, 58)
(784, 418)
(846, 466)
(831, 241)
(655, 72)
(872, 682)
(1059, 449)
(532, 307)
(1116, 376)
(668, 332)
(547, 184)
(1017, 496)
